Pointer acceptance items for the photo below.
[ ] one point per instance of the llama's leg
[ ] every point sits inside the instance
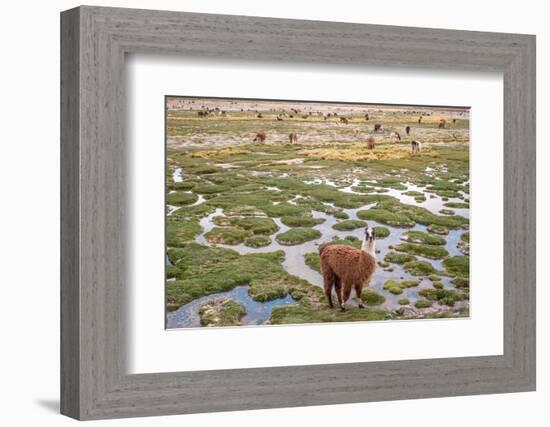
(328, 281)
(346, 292)
(338, 289)
(358, 292)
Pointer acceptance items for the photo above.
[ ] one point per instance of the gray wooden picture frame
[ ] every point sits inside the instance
(94, 381)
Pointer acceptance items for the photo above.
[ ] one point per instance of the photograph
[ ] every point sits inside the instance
(295, 212)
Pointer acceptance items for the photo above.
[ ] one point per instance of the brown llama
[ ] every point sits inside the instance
(260, 137)
(408, 130)
(293, 137)
(371, 143)
(367, 116)
(344, 120)
(345, 268)
(420, 120)
(378, 127)
(442, 124)
(416, 146)
(396, 135)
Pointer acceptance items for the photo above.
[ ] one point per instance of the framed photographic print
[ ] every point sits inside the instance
(283, 213)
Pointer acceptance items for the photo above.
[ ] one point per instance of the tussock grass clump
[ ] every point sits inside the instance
(427, 251)
(296, 236)
(396, 287)
(438, 229)
(180, 198)
(442, 296)
(371, 297)
(399, 258)
(387, 217)
(419, 268)
(422, 303)
(349, 224)
(313, 261)
(179, 231)
(227, 235)
(301, 221)
(256, 225)
(457, 266)
(460, 205)
(224, 312)
(403, 301)
(414, 236)
(381, 232)
(257, 241)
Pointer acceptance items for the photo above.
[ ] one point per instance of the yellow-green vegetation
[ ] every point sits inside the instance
(310, 314)
(224, 312)
(457, 266)
(442, 296)
(227, 235)
(403, 301)
(422, 303)
(349, 224)
(445, 211)
(461, 283)
(428, 251)
(415, 236)
(181, 198)
(301, 221)
(257, 241)
(381, 232)
(180, 230)
(419, 268)
(313, 260)
(438, 229)
(370, 297)
(460, 205)
(256, 225)
(399, 258)
(396, 287)
(203, 270)
(387, 217)
(297, 235)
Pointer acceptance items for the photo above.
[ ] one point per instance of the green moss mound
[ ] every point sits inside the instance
(438, 229)
(180, 198)
(257, 241)
(427, 251)
(397, 288)
(227, 235)
(419, 268)
(349, 224)
(387, 217)
(457, 266)
(415, 236)
(225, 312)
(399, 258)
(371, 297)
(296, 236)
(422, 303)
(442, 296)
(301, 221)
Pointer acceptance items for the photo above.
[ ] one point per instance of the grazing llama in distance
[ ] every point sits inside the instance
(378, 127)
(442, 123)
(416, 146)
(260, 137)
(293, 137)
(408, 130)
(345, 268)
(371, 143)
(396, 135)
(344, 120)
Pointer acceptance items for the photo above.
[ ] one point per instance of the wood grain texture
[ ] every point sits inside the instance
(94, 382)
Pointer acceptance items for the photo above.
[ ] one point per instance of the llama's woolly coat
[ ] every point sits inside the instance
(353, 266)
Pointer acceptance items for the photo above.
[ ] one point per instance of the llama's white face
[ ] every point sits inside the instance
(370, 234)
